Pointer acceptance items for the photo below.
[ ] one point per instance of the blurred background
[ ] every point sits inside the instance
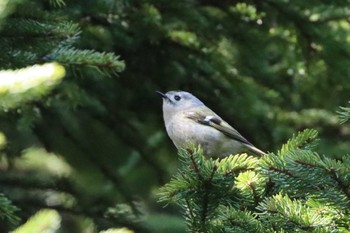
(92, 146)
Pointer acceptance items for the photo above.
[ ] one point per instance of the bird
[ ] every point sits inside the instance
(189, 121)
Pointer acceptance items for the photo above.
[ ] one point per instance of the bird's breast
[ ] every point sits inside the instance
(185, 132)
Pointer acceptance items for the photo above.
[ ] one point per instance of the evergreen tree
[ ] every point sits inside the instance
(294, 190)
(83, 146)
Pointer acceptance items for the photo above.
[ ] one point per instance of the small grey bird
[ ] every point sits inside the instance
(188, 121)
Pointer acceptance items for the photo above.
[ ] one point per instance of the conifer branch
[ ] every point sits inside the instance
(345, 188)
(31, 29)
(190, 210)
(207, 189)
(239, 169)
(28, 84)
(194, 164)
(255, 194)
(57, 3)
(344, 114)
(8, 211)
(306, 164)
(282, 171)
(72, 56)
(301, 141)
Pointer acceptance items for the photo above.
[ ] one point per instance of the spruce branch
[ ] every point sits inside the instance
(202, 185)
(272, 163)
(104, 62)
(251, 187)
(207, 189)
(189, 211)
(345, 188)
(294, 164)
(31, 29)
(229, 219)
(291, 214)
(281, 171)
(344, 114)
(194, 164)
(28, 84)
(304, 173)
(303, 140)
(57, 3)
(229, 165)
(312, 190)
(255, 194)
(8, 210)
(238, 170)
(316, 173)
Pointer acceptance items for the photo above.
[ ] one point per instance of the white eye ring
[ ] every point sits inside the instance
(177, 97)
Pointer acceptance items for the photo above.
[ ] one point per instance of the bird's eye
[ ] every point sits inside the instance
(177, 97)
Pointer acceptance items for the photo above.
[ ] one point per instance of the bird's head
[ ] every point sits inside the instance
(176, 101)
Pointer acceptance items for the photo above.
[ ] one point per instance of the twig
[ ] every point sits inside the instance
(283, 171)
(239, 169)
(255, 195)
(195, 167)
(207, 187)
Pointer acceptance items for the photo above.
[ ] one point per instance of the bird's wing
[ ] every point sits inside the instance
(219, 124)
(216, 122)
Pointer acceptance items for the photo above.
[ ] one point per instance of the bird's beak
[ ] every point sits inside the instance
(164, 96)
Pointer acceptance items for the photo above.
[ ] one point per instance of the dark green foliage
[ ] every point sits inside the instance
(344, 114)
(294, 191)
(204, 187)
(94, 148)
(8, 212)
(29, 39)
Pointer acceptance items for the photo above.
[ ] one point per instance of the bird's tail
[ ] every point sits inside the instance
(256, 150)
